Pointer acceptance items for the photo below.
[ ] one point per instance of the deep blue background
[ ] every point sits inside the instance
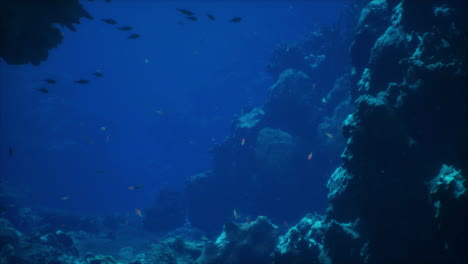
(199, 74)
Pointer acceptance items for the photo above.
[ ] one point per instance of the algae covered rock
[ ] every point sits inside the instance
(303, 243)
(247, 243)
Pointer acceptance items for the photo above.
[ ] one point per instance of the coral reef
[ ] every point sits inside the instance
(409, 123)
(265, 158)
(28, 28)
(247, 243)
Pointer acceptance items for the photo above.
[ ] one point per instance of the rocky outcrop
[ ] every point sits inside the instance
(249, 243)
(28, 31)
(408, 123)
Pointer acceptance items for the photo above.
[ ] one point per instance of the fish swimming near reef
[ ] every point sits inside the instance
(235, 214)
(211, 17)
(235, 20)
(138, 212)
(185, 12)
(42, 90)
(50, 81)
(109, 21)
(82, 81)
(125, 28)
(329, 135)
(98, 74)
(133, 36)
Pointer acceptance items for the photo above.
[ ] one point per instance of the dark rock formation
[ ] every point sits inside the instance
(28, 29)
(409, 122)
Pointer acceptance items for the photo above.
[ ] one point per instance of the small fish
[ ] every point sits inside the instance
(235, 20)
(107, 139)
(248, 220)
(195, 52)
(98, 74)
(192, 18)
(10, 151)
(235, 214)
(180, 23)
(138, 212)
(324, 100)
(211, 17)
(100, 171)
(103, 128)
(26, 158)
(90, 140)
(329, 135)
(185, 11)
(42, 90)
(313, 86)
(131, 188)
(213, 139)
(125, 28)
(109, 21)
(82, 81)
(133, 36)
(3, 208)
(146, 61)
(138, 187)
(159, 112)
(64, 198)
(285, 223)
(50, 81)
(309, 157)
(243, 142)
(108, 1)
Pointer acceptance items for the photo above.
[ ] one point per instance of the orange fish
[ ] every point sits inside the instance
(248, 220)
(64, 198)
(243, 142)
(329, 135)
(235, 214)
(138, 212)
(131, 188)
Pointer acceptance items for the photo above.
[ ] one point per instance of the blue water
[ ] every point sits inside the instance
(199, 75)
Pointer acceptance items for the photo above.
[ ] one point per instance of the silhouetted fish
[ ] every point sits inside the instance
(108, 1)
(185, 11)
(10, 151)
(43, 90)
(50, 81)
(192, 18)
(134, 36)
(211, 17)
(98, 74)
(125, 28)
(109, 21)
(235, 20)
(180, 23)
(82, 81)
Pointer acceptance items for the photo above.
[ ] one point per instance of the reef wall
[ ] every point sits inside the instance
(403, 177)
(278, 157)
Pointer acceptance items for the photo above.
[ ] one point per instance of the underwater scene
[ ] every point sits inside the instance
(233, 132)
